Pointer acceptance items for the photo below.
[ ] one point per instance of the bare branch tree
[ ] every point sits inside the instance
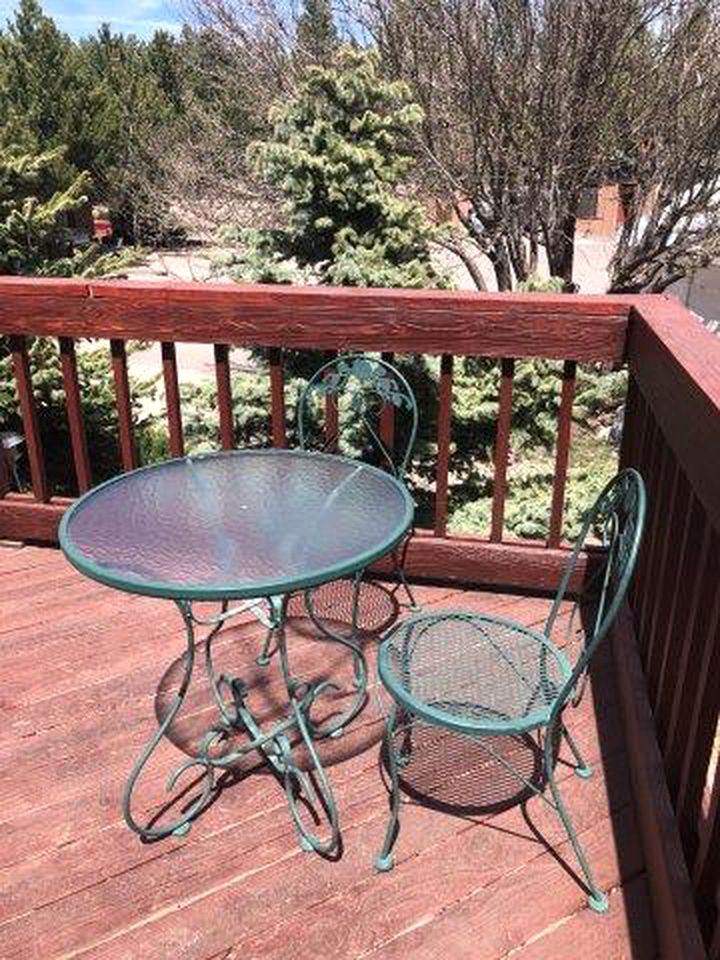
(672, 201)
(530, 102)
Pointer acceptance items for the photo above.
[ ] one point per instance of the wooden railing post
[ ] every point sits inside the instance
(502, 449)
(31, 427)
(172, 399)
(443, 435)
(123, 403)
(224, 394)
(76, 421)
(562, 452)
(277, 399)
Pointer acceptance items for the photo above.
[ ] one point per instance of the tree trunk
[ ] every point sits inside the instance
(518, 258)
(561, 251)
(533, 259)
(471, 265)
(501, 265)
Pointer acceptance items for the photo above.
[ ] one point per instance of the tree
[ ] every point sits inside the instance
(133, 92)
(672, 172)
(38, 200)
(35, 76)
(34, 211)
(316, 35)
(529, 104)
(337, 161)
(100, 99)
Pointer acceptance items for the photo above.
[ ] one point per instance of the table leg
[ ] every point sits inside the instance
(274, 744)
(181, 825)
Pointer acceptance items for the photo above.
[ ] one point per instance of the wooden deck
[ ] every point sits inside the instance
(83, 669)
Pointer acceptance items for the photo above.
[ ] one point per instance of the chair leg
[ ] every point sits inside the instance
(384, 861)
(582, 769)
(404, 754)
(597, 900)
(398, 558)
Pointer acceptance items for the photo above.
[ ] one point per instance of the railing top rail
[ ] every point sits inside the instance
(36, 286)
(676, 363)
(558, 326)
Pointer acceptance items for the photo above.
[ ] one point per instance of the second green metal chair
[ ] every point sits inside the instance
(489, 678)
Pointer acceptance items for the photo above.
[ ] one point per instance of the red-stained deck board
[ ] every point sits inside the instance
(81, 665)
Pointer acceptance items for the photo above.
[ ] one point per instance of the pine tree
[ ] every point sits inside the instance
(35, 75)
(34, 208)
(317, 37)
(338, 159)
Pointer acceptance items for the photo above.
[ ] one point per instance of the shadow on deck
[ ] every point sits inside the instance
(479, 875)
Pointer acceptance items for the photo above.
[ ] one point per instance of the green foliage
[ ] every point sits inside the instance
(93, 261)
(100, 99)
(536, 283)
(337, 158)
(527, 509)
(36, 77)
(251, 417)
(38, 198)
(98, 404)
(34, 210)
(39, 201)
(598, 395)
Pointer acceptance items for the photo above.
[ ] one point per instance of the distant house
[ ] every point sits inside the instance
(601, 212)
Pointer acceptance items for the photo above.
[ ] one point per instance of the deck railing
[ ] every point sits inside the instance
(451, 324)
(671, 433)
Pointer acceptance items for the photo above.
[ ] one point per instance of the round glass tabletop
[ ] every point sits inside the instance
(247, 523)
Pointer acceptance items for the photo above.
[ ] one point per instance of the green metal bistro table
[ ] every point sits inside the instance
(254, 526)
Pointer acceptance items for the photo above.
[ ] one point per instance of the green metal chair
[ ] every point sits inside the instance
(359, 389)
(487, 677)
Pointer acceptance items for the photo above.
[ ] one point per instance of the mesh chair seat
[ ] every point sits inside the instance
(473, 673)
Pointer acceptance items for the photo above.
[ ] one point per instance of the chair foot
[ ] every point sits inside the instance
(262, 660)
(384, 864)
(598, 902)
(584, 772)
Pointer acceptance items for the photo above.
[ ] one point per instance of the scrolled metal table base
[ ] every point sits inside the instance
(230, 694)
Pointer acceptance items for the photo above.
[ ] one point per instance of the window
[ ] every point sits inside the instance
(587, 204)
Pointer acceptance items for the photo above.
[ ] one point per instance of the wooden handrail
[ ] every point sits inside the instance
(676, 363)
(550, 326)
(672, 435)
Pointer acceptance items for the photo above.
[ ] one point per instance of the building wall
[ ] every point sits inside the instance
(608, 215)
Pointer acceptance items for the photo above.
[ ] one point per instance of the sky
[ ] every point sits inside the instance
(81, 17)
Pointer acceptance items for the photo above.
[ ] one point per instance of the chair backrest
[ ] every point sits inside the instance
(361, 387)
(617, 517)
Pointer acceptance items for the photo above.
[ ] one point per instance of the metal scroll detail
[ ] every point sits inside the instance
(367, 384)
(276, 744)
